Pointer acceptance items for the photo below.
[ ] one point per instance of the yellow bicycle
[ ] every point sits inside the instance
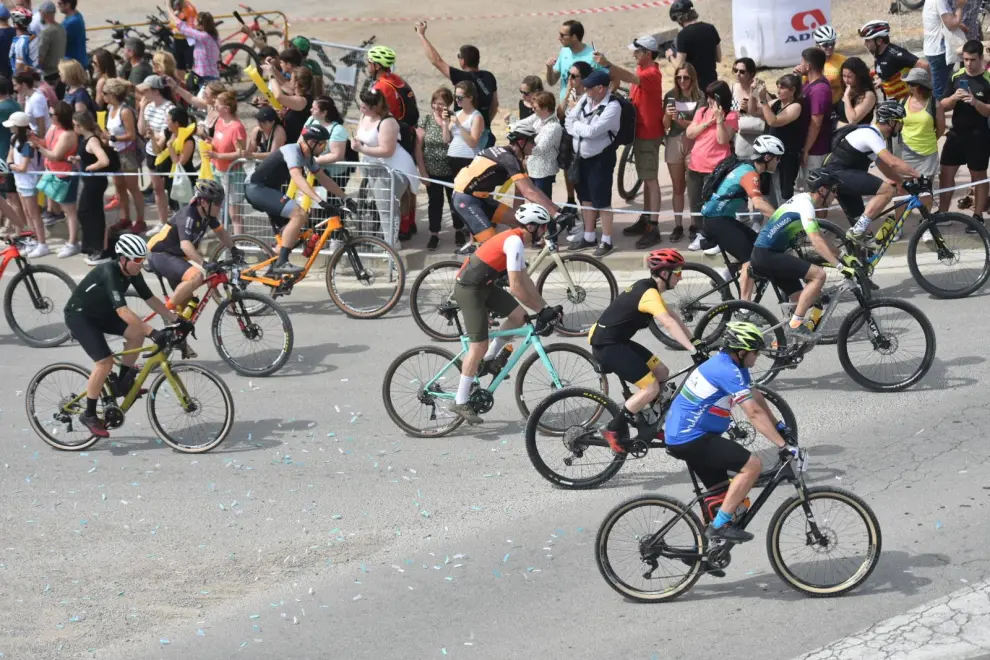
(197, 406)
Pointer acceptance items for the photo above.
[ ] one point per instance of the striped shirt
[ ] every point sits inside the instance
(156, 118)
(705, 401)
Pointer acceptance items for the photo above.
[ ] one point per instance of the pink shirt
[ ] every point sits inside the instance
(707, 152)
(225, 138)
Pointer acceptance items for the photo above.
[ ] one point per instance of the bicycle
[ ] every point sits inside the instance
(571, 286)
(627, 179)
(249, 310)
(659, 527)
(430, 387)
(43, 293)
(236, 55)
(376, 293)
(344, 88)
(54, 417)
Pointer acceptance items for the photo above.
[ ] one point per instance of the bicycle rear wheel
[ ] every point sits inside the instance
(33, 305)
(204, 423)
(699, 289)
(955, 263)
(627, 558)
(594, 289)
(829, 331)
(745, 434)
(712, 325)
(574, 367)
(417, 411)
(881, 330)
(255, 251)
(432, 288)
(365, 277)
(46, 402)
(240, 335)
(233, 72)
(823, 518)
(628, 180)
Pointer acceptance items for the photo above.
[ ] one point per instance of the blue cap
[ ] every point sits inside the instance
(596, 78)
(4, 13)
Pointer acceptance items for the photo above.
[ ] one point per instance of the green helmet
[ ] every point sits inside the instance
(302, 43)
(744, 336)
(382, 55)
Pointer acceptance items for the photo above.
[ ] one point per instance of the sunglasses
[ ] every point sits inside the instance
(459, 98)
(740, 71)
(682, 77)
(138, 261)
(525, 92)
(677, 271)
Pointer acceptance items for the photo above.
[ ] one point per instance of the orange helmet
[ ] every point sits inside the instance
(663, 259)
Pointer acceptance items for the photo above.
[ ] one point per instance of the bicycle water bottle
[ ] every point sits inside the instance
(885, 229)
(500, 360)
(814, 315)
(310, 244)
(190, 308)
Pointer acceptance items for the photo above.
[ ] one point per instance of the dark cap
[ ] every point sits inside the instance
(596, 78)
(266, 113)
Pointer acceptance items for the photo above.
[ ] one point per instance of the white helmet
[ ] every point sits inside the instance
(875, 29)
(824, 34)
(131, 246)
(767, 145)
(532, 214)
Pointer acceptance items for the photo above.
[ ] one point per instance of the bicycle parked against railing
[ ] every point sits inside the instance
(237, 54)
(35, 297)
(343, 82)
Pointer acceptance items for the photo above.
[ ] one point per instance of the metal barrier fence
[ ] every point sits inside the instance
(372, 186)
(344, 72)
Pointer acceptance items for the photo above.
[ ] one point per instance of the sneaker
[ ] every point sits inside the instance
(405, 236)
(861, 239)
(466, 412)
(466, 249)
(614, 441)
(288, 268)
(95, 425)
(459, 239)
(692, 232)
(68, 250)
(802, 332)
(38, 251)
(112, 204)
(140, 227)
(149, 232)
(979, 219)
(637, 228)
(603, 249)
(728, 532)
(651, 236)
(124, 224)
(712, 251)
(707, 243)
(677, 234)
(52, 218)
(927, 237)
(97, 259)
(581, 245)
(432, 244)
(695, 244)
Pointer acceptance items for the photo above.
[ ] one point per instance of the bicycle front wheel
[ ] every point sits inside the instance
(949, 255)
(54, 399)
(699, 289)
(433, 288)
(253, 343)
(592, 288)
(420, 411)
(572, 365)
(804, 537)
(202, 421)
(644, 568)
(235, 58)
(878, 333)
(33, 305)
(365, 278)
(628, 179)
(712, 325)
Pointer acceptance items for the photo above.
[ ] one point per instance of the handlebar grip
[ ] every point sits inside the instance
(238, 17)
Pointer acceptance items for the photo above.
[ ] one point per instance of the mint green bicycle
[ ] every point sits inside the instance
(420, 384)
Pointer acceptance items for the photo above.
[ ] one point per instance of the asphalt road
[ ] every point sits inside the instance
(320, 531)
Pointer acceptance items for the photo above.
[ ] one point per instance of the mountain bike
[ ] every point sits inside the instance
(236, 54)
(365, 276)
(627, 178)
(580, 283)
(343, 84)
(803, 539)
(422, 382)
(35, 297)
(56, 396)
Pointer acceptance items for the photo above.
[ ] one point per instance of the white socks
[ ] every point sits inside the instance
(590, 236)
(494, 347)
(862, 224)
(606, 238)
(464, 390)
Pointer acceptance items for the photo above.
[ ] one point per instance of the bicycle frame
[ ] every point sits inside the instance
(213, 282)
(249, 274)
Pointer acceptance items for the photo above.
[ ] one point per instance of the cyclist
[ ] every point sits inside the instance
(892, 62)
(490, 169)
(97, 307)
(477, 293)
(849, 163)
(265, 189)
(700, 414)
(613, 347)
(772, 259)
(825, 37)
(742, 183)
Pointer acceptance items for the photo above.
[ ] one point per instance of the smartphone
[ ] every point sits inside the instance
(964, 84)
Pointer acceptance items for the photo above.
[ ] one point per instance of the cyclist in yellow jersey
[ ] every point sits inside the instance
(825, 37)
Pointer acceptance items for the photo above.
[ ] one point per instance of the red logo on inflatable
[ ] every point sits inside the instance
(808, 20)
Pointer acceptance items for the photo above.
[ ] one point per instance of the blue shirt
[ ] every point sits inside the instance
(20, 51)
(6, 39)
(705, 400)
(75, 39)
(566, 59)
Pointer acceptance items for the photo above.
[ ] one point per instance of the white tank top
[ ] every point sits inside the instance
(401, 160)
(115, 126)
(458, 148)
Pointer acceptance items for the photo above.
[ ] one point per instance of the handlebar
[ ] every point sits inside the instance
(918, 186)
(174, 335)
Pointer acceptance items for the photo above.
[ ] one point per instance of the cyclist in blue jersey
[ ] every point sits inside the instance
(786, 270)
(740, 185)
(700, 414)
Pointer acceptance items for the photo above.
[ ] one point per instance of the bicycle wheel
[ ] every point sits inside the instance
(594, 289)
(766, 369)
(824, 517)
(881, 330)
(699, 289)
(628, 180)
(435, 287)
(956, 261)
(35, 315)
(630, 547)
(742, 431)
(365, 277)
(240, 335)
(579, 458)
(255, 251)
(574, 367)
(207, 420)
(233, 72)
(45, 401)
(414, 409)
(912, 4)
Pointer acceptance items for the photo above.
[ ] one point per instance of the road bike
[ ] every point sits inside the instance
(365, 276)
(241, 323)
(653, 547)
(580, 283)
(421, 383)
(35, 297)
(195, 396)
(237, 54)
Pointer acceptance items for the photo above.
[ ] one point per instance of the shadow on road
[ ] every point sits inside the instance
(939, 377)
(304, 361)
(244, 436)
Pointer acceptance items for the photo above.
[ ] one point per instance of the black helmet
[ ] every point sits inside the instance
(209, 190)
(821, 178)
(679, 9)
(316, 133)
(524, 132)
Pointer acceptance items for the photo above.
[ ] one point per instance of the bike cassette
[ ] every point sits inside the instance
(113, 417)
(482, 401)
(571, 438)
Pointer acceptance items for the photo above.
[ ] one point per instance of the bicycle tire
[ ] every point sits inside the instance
(627, 160)
(240, 310)
(399, 271)
(753, 441)
(534, 426)
(41, 427)
(687, 313)
(31, 271)
(811, 494)
(693, 572)
(572, 325)
(255, 252)
(155, 398)
(227, 71)
(424, 311)
(912, 4)
(978, 229)
(390, 408)
(847, 330)
(724, 312)
(523, 401)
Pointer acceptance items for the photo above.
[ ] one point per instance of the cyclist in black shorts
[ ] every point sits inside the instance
(265, 189)
(97, 307)
(613, 347)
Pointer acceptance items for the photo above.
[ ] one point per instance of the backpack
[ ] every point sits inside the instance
(715, 179)
(411, 115)
(407, 136)
(627, 121)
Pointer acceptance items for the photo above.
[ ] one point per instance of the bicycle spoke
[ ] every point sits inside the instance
(36, 304)
(584, 303)
(202, 420)
(952, 260)
(893, 356)
(366, 277)
(569, 455)
(424, 411)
